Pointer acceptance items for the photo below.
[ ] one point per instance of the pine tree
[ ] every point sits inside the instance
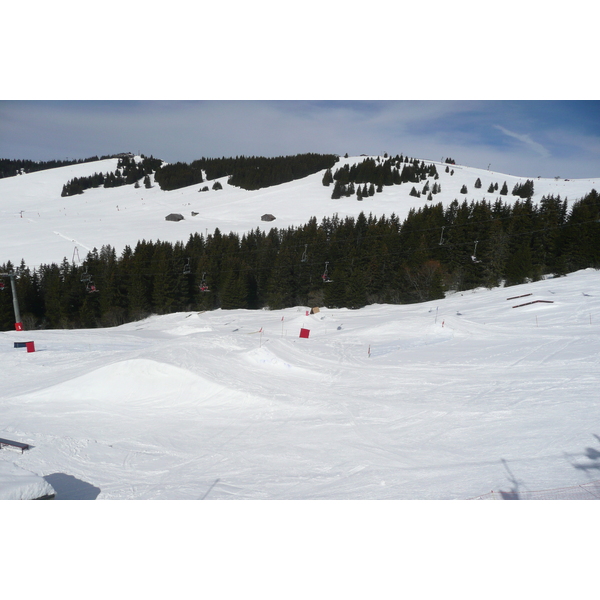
(504, 190)
(334, 293)
(338, 190)
(518, 266)
(478, 183)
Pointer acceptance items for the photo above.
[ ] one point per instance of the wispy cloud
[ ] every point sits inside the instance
(526, 139)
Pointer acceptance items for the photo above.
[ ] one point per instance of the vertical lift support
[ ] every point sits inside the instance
(12, 276)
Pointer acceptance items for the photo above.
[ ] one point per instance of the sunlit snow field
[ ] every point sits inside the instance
(442, 400)
(449, 399)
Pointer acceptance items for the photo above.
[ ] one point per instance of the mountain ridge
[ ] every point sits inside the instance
(31, 206)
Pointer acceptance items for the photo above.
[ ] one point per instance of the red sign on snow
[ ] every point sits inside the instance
(304, 332)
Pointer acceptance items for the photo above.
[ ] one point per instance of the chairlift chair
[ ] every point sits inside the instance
(474, 257)
(203, 285)
(325, 276)
(186, 268)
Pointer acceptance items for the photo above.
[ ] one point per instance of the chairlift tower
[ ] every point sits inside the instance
(12, 276)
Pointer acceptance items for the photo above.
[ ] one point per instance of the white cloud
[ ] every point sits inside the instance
(526, 139)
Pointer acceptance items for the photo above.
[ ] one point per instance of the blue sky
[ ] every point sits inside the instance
(521, 137)
(475, 82)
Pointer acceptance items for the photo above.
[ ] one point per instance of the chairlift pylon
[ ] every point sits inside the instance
(325, 277)
(305, 254)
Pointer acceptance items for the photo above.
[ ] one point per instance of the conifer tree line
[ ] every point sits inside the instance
(368, 260)
(128, 172)
(376, 173)
(10, 167)
(246, 172)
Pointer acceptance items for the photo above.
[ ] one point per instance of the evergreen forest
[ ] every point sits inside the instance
(11, 167)
(249, 173)
(348, 262)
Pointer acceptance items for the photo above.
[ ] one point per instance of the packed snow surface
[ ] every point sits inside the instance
(447, 399)
(18, 484)
(441, 400)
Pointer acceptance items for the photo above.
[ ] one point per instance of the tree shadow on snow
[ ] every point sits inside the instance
(593, 457)
(68, 487)
(513, 494)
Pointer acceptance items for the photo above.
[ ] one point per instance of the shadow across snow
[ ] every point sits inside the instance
(513, 493)
(68, 487)
(593, 456)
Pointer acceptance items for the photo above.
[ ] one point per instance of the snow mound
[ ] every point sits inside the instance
(131, 380)
(188, 330)
(264, 357)
(19, 484)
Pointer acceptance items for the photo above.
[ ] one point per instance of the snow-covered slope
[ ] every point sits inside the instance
(41, 227)
(442, 400)
(446, 399)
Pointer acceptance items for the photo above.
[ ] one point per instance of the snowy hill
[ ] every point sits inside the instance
(41, 227)
(439, 400)
(448, 399)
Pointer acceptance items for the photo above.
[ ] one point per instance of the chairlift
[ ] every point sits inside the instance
(86, 277)
(325, 277)
(1, 286)
(90, 288)
(186, 268)
(474, 257)
(442, 236)
(203, 286)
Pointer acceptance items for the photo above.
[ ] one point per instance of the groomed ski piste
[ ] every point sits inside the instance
(449, 399)
(441, 400)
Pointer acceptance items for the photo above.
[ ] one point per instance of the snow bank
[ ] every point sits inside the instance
(19, 484)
